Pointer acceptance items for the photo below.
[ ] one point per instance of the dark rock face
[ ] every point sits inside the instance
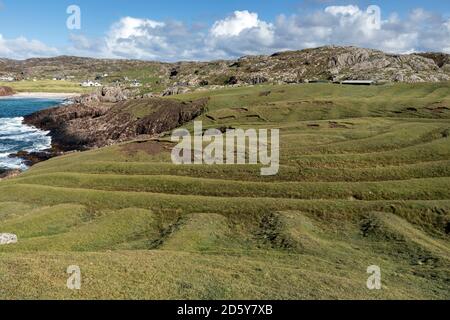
(81, 127)
(31, 158)
(441, 59)
(9, 173)
(6, 91)
(173, 73)
(232, 80)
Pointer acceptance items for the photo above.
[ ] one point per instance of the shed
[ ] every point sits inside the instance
(359, 82)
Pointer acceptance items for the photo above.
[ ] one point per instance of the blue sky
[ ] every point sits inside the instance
(185, 30)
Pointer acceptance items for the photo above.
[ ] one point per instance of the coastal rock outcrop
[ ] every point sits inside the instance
(81, 127)
(106, 94)
(6, 91)
(9, 173)
(31, 158)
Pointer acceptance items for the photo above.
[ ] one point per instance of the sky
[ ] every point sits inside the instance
(173, 30)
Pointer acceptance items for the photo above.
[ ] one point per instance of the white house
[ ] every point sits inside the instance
(90, 83)
(7, 78)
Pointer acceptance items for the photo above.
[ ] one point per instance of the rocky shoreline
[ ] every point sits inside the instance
(9, 173)
(107, 117)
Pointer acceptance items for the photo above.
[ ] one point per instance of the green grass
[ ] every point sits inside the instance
(364, 180)
(46, 86)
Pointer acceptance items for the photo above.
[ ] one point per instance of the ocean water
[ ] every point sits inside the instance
(15, 136)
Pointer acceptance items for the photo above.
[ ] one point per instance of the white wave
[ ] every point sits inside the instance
(16, 136)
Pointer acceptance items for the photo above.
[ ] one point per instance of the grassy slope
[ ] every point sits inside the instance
(46, 86)
(364, 180)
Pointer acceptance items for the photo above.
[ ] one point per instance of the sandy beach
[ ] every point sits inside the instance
(42, 95)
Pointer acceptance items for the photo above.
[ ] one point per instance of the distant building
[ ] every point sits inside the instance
(90, 83)
(7, 79)
(359, 82)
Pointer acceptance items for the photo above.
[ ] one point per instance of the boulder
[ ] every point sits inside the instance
(106, 94)
(172, 91)
(6, 91)
(7, 238)
(31, 158)
(114, 94)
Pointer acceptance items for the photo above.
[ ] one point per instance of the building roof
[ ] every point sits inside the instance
(358, 82)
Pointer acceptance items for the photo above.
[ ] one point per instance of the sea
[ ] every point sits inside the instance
(16, 136)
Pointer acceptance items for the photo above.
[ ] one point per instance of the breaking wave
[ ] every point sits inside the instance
(16, 136)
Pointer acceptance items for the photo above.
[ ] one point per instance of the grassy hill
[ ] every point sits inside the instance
(364, 180)
(46, 86)
(323, 63)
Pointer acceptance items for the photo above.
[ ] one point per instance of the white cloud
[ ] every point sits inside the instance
(343, 10)
(139, 38)
(234, 25)
(447, 25)
(22, 48)
(244, 32)
(350, 25)
(146, 39)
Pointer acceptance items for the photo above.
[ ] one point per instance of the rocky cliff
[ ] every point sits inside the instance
(81, 126)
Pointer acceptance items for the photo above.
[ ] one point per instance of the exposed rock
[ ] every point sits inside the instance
(31, 158)
(9, 173)
(7, 238)
(79, 127)
(105, 94)
(232, 80)
(6, 91)
(257, 80)
(349, 59)
(323, 63)
(441, 59)
(399, 77)
(172, 91)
